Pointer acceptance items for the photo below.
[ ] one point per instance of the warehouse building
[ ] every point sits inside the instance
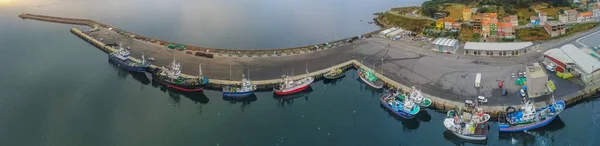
(445, 45)
(571, 59)
(497, 49)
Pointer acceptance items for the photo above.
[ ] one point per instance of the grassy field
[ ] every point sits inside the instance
(580, 27)
(465, 34)
(532, 34)
(403, 10)
(455, 10)
(409, 23)
(524, 14)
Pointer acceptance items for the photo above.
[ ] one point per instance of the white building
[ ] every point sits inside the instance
(569, 58)
(497, 49)
(563, 18)
(543, 18)
(536, 80)
(386, 31)
(445, 45)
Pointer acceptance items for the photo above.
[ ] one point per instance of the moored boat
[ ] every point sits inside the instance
(171, 77)
(121, 59)
(417, 97)
(528, 117)
(403, 108)
(334, 74)
(469, 126)
(244, 90)
(368, 77)
(289, 86)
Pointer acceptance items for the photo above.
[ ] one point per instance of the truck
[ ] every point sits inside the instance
(478, 80)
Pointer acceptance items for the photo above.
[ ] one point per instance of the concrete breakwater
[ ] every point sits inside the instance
(202, 50)
(439, 103)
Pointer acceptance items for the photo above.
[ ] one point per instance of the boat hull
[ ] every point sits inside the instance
(505, 127)
(330, 77)
(400, 113)
(371, 83)
(182, 87)
(125, 65)
(470, 137)
(238, 94)
(291, 91)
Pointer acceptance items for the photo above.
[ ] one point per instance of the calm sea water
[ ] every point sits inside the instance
(56, 89)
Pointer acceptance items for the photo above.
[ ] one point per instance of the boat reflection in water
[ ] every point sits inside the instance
(407, 124)
(288, 100)
(543, 135)
(244, 101)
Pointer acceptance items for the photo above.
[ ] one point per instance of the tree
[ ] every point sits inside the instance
(429, 8)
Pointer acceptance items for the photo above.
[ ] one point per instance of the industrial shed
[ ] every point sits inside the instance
(497, 49)
(569, 58)
(445, 45)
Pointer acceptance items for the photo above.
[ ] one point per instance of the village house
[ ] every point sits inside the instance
(571, 15)
(534, 20)
(439, 24)
(514, 19)
(506, 30)
(485, 28)
(543, 17)
(466, 14)
(563, 18)
(493, 26)
(476, 21)
(584, 17)
(555, 28)
(448, 24)
(595, 13)
(456, 27)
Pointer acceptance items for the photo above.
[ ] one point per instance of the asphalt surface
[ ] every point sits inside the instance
(412, 63)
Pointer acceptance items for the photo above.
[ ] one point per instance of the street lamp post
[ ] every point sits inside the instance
(381, 66)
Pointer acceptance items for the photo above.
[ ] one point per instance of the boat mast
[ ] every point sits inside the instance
(200, 76)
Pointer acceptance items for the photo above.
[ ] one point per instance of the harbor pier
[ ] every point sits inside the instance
(402, 65)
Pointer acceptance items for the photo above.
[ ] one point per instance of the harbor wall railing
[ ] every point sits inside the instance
(437, 102)
(204, 50)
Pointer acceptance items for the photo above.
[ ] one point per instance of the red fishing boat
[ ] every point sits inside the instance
(289, 86)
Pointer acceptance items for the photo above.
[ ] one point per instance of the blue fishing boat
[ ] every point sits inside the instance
(403, 108)
(244, 90)
(528, 117)
(121, 59)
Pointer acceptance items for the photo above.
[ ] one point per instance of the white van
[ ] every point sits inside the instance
(551, 67)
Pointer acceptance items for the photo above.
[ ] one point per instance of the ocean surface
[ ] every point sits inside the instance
(56, 89)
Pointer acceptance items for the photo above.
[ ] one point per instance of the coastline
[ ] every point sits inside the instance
(438, 102)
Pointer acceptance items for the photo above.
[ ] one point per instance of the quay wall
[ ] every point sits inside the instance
(437, 102)
(205, 50)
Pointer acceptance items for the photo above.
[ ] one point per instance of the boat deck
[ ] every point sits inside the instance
(481, 129)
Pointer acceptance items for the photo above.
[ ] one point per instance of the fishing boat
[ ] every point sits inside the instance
(121, 59)
(289, 86)
(403, 108)
(528, 117)
(244, 90)
(466, 125)
(417, 97)
(368, 77)
(334, 74)
(171, 77)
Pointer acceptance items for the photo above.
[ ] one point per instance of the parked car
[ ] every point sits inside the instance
(504, 92)
(551, 67)
(523, 93)
(513, 75)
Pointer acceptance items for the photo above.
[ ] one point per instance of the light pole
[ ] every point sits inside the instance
(382, 66)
